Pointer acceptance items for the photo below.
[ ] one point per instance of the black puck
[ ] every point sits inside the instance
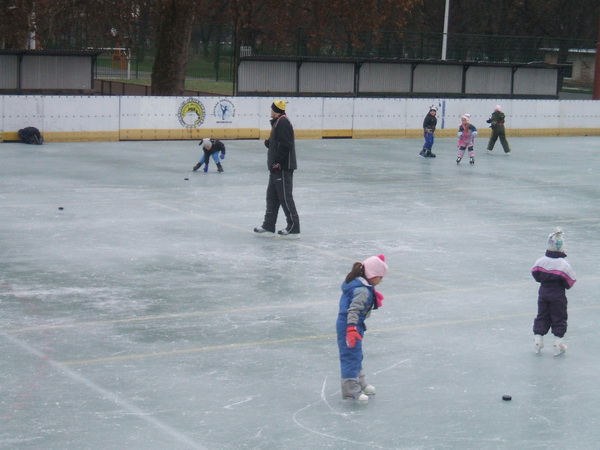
(60, 208)
(186, 179)
(506, 398)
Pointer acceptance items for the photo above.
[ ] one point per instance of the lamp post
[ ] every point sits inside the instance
(445, 37)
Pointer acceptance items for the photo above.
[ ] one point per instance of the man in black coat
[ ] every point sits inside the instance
(281, 162)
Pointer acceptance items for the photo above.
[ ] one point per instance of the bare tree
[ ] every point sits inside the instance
(16, 23)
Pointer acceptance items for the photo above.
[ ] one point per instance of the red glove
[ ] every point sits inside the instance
(352, 335)
(379, 298)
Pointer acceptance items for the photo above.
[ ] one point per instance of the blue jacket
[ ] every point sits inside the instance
(356, 302)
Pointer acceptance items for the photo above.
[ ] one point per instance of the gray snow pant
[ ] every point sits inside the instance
(353, 387)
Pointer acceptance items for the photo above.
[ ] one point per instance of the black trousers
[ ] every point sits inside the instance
(498, 132)
(279, 194)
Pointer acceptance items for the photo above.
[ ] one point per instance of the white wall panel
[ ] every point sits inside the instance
(437, 78)
(384, 78)
(267, 76)
(379, 113)
(585, 114)
(91, 114)
(536, 114)
(481, 80)
(326, 78)
(338, 113)
(535, 82)
(23, 111)
(74, 113)
(9, 71)
(305, 113)
(51, 72)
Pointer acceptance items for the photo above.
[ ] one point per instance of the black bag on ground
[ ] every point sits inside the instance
(31, 135)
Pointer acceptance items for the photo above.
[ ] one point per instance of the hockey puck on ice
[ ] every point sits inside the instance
(186, 179)
(506, 398)
(60, 208)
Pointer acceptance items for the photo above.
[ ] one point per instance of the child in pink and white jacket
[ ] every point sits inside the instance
(466, 139)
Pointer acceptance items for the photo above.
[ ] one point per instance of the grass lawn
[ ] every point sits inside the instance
(205, 86)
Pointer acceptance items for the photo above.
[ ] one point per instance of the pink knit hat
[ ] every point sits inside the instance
(375, 266)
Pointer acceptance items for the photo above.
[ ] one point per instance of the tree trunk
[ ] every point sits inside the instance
(173, 47)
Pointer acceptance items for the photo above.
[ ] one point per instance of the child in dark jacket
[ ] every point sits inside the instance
(429, 124)
(358, 299)
(496, 122)
(555, 275)
(211, 148)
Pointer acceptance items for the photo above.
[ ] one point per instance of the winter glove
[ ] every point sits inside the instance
(267, 143)
(379, 299)
(222, 156)
(276, 168)
(352, 335)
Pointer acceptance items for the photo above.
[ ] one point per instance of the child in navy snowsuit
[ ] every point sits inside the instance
(358, 299)
(555, 275)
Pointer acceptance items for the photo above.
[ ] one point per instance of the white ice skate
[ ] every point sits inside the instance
(559, 347)
(369, 390)
(362, 398)
(538, 342)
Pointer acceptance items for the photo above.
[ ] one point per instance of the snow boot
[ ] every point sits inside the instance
(423, 153)
(219, 167)
(429, 154)
(197, 166)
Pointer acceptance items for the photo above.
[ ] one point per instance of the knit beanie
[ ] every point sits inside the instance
(205, 143)
(279, 106)
(498, 108)
(556, 240)
(375, 266)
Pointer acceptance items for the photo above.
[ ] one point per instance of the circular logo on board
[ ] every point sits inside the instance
(224, 111)
(191, 113)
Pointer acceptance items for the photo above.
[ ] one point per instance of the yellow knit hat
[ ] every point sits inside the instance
(279, 106)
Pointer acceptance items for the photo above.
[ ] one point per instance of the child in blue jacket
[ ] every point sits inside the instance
(555, 276)
(358, 299)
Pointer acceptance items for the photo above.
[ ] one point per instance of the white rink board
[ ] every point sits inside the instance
(313, 116)
(380, 114)
(338, 111)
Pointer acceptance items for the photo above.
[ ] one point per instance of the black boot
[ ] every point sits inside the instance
(197, 166)
(430, 155)
(423, 153)
(219, 167)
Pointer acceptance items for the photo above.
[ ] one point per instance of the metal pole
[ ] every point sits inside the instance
(445, 37)
(596, 93)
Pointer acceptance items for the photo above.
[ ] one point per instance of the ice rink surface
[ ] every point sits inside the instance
(146, 314)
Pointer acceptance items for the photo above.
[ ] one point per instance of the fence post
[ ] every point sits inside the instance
(596, 93)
